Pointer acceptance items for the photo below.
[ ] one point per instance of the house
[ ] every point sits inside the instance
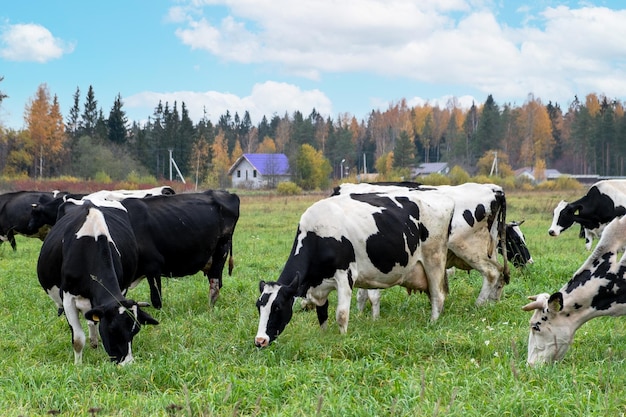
(529, 173)
(259, 170)
(428, 168)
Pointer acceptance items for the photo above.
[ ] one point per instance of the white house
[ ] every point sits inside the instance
(260, 170)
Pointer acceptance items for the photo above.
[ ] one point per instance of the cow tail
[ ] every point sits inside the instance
(231, 263)
(502, 233)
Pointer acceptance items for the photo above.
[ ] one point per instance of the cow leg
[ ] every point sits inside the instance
(363, 295)
(93, 334)
(322, 314)
(435, 265)
(361, 299)
(344, 298)
(78, 335)
(155, 291)
(11, 238)
(214, 290)
(374, 297)
(493, 283)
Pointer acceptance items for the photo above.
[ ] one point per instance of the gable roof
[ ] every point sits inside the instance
(265, 163)
(427, 168)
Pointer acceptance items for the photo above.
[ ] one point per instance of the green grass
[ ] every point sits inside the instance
(201, 362)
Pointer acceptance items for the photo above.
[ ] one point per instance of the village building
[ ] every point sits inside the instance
(260, 170)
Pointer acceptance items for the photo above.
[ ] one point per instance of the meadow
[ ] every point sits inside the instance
(203, 362)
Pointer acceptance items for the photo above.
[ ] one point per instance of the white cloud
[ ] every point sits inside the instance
(265, 99)
(558, 50)
(31, 42)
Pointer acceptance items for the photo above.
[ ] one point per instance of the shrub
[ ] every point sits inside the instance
(458, 175)
(288, 188)
(102, 176)
(434, 179)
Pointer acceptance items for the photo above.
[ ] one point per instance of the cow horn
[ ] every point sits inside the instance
(143, 304)
(537, 303)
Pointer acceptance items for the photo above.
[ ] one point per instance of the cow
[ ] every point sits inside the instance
(516, 249)
(15, 210)
(604, 201)
(46, 213)
(597, 288)
(369, 240)
(86, 263)
(478, 229)
(182, 234)
(517, 253)
(119, 195)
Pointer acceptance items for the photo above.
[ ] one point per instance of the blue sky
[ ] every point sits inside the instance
(337, 56)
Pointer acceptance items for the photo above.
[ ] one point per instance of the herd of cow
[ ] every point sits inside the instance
(366, 236)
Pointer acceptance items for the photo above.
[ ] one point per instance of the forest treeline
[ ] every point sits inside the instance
(587, 137)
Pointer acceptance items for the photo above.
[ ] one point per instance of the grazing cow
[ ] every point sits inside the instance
(119, 195)
(369, 240)
(15, 210)
(598, 288)
(516, 248)
(604, 201)
(478, 229)
(182, 234)
(86, 263)
(46, 214)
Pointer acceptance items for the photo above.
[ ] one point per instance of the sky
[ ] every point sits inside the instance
(339, 57)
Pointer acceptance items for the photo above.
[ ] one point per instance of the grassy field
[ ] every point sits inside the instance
(201, 362)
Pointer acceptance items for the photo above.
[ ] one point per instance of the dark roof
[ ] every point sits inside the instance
(265, 163)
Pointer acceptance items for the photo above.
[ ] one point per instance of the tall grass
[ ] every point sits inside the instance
(202, 362)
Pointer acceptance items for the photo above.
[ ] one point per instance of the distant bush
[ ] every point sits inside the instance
(458, 175)
(102, 176)
(434, 179)
(288, 188)
(561, 183)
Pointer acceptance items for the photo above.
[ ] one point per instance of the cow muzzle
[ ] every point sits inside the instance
(261, 342)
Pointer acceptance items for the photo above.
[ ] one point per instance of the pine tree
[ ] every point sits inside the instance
(89, 118)
(404, 151)
(117, 122)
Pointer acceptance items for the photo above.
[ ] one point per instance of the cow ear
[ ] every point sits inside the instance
(94, 315)
(292, 288)
(261, 286)
(145, 318)
(555, 302)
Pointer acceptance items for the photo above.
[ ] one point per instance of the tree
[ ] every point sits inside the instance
(117, 122)
(45, 126)
(267, 146)
(220, 161)
(488, 133)
(404, 151)
(2, 95)
(312, 168)
(72, 125)
(89, 118)
(537, 139)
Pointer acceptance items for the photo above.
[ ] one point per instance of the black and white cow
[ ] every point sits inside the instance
(15, 210)
(43, 214)
(86, 263)
(182, 234)
(367, 240)
(477, 231)
(604, 201)
(516, 249)
(598, 288)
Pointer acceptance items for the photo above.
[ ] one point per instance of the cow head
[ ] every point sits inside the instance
(551, 329)
(119, 322)
(275, 306)
(562, 219)
(516, 249)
